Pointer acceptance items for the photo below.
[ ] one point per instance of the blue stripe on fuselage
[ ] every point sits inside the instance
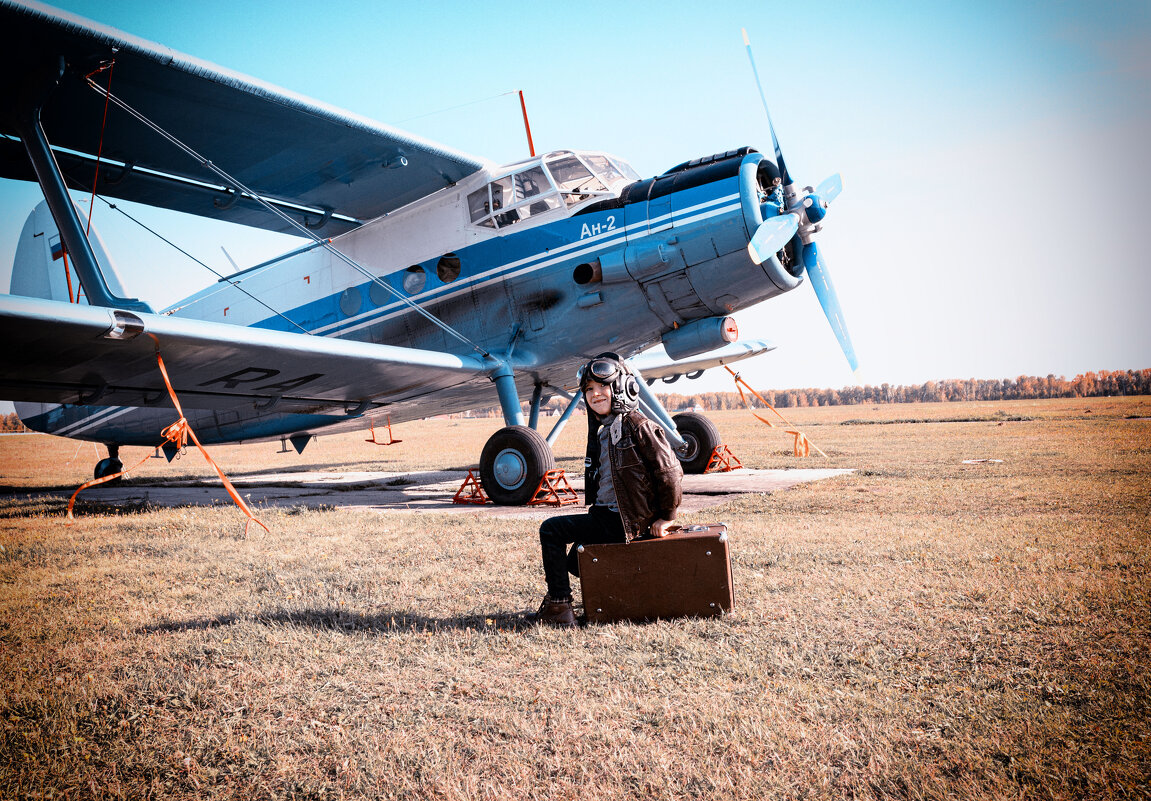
(512, 254)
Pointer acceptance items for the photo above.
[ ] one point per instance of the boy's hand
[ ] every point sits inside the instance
(660, 528)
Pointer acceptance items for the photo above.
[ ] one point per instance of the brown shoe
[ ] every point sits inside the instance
(556, 613)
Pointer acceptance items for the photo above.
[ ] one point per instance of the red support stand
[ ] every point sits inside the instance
(391, 440)
(554, 490)
(471, 491)
(722, 460)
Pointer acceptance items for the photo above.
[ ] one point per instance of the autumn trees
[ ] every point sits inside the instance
(1094, 384)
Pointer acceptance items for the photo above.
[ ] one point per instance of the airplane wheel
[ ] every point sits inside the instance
(512, 463)
(701, 436)
(107, 467)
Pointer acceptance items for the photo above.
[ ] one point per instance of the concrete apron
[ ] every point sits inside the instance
(431, 491)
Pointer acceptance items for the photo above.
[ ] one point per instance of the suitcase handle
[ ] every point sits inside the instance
(693, 529)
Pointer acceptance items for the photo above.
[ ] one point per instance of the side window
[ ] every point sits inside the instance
(530, 183)
(350, 301)
(448, 268)
(479, 207)
(545, 203)
(415, 279)
(377, 294)
(512, 198)
(502, 194)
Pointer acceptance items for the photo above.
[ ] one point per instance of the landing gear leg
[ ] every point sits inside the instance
(655, 411)
(534, 414)
(109, 466)
(509, 399)
(516, 457)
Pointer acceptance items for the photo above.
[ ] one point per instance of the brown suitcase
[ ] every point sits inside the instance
(685, 574)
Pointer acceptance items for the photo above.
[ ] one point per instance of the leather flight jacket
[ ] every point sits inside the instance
(645, 473)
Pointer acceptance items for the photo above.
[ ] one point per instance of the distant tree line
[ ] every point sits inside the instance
(1025, 387)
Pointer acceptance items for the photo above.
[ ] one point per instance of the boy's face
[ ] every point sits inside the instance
(598, 398)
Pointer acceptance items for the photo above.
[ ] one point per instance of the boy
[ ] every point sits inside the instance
(631, 482)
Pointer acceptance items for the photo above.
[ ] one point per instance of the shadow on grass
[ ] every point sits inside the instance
(21, 491)
(351, 622)
(46, 501)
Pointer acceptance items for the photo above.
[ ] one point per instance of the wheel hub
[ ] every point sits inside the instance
(690, 448)
(510, 468)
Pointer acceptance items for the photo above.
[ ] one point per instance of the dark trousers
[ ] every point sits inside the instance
(600, 524)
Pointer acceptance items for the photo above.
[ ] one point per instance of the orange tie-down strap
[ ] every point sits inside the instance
(803, 445)
(177, 434)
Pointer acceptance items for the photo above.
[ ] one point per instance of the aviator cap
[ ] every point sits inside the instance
(609, 369)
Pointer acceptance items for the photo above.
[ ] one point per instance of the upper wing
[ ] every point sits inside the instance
(656, 363)
(68, 353)
(323, 165)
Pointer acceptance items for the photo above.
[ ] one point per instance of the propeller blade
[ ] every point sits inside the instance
(810, 256)
(771, 235)
(774, 233)
(825, 290)
(830, 188)
(763, 99)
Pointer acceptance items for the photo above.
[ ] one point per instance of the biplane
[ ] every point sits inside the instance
(429, 281)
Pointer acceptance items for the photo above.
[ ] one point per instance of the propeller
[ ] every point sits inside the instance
(771, 235)
(804, 213)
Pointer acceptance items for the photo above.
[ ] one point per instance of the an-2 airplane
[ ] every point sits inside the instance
(432, 277)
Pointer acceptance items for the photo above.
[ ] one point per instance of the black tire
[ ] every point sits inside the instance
(107, 467)
(513, 461)
(701, 436)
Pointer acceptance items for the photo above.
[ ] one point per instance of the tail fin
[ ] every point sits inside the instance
(42, 268)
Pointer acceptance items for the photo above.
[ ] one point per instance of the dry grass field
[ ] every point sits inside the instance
(921, 628)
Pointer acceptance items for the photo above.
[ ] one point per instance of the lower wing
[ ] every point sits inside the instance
(74, 354)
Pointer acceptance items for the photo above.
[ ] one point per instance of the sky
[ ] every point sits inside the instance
(993, 154)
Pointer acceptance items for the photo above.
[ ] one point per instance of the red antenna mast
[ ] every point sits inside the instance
(527, 126)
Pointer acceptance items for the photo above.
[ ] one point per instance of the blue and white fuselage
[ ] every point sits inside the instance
(540, 264)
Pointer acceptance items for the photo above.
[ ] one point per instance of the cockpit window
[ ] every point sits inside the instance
(575, 180)
(530, 183)
(558, 179)
(480, 206)
(603, 166)
(625, 169)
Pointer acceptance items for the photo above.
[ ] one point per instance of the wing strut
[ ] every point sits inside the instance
(304, 230)
(27, 121)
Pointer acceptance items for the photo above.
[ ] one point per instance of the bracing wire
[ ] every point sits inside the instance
(325, 243)
(207, 267)
(453, 108)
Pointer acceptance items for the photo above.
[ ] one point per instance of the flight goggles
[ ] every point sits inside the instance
(602, 371)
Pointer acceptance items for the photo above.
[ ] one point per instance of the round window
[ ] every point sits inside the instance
(350, 301)
(448, 268)
(415, 279)
(378, 295)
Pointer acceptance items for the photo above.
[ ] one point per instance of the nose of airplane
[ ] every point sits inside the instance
(769, 229)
